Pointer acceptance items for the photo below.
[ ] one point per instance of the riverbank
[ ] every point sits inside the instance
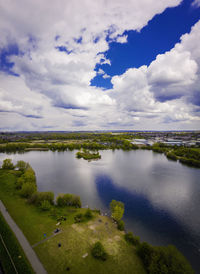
(76, 239)
(71, 247)
(186, 155)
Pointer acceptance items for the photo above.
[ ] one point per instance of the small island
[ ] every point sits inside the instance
(88, 155)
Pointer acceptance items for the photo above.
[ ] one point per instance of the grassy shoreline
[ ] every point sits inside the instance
(76, 238)
(185, 155)
(9, 243)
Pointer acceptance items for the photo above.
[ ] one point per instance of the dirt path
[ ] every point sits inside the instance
(42, 241)
(33, 259)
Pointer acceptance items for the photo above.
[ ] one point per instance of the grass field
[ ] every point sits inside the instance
(76, 239)
(12, 256)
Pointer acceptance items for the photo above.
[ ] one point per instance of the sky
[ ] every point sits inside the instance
(99, 65)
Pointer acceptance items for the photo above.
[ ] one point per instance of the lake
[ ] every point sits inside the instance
(161, 197)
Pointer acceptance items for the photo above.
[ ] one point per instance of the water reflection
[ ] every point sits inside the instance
(158, 222)
(161, 196)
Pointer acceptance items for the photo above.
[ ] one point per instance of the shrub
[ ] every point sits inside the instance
(117, 210)
(29, 176)
(130, 238)
(19, 183)
(171, 156)
(166, 260)
(79, 218)
(60, 200)
(7, 164)
(68, 200)
(88, 213)
(120, 225)
(99, 252)
(33, 198)
(45, 205)
(22, 166)
(38, 197)
(145, 252)
(27, 190)
(76, 201)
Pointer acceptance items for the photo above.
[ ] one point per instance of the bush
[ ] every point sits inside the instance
(79, 218)
(171, 156)
(145, 252)
(120, 225)
(19, 183)
(88, 213)
(76, 201)
(166, 260)
(117, 210)
(22, 166)
(190, 162)
(130, 238)
(7, 164)
(45, 205)
(38, 197)
(68, 200)
(99, 252)
(29, 176)
(27, 190)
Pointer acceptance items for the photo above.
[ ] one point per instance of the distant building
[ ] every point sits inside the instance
(143, 142)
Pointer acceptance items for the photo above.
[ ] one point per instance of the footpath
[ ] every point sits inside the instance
(28, 250)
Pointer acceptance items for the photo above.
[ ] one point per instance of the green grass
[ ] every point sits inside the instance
(18, 257)
(76, 239)
(87, 155)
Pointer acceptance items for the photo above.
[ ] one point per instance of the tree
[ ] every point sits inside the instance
(117, 210)
(19, 182)
(21, 165)
(130, 238)
(99, 252)
(45, 205)
(120, 225)
(68, 200)
(27, 190)
(7, 164)
(88, 213)
(29, 176)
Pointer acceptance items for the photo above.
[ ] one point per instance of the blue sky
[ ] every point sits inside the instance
(100, 65)
(159, 36)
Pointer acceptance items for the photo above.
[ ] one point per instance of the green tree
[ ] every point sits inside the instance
(7, 164)
(21, 165)
(29, 176)
(130, 238)
(99, 252)
(88, 213)
(117, 210)
(45, 205)
(27, 190)
(19, 182)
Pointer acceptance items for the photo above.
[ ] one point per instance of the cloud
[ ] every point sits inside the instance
(61, 43)
(166, 92)
(122, 39)
(196, 3)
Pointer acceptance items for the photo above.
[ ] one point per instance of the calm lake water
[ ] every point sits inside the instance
(161, 197)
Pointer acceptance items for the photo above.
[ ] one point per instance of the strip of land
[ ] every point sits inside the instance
(36, 264)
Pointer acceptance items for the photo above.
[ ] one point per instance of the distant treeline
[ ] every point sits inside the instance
(187, 156)
(46, 136)
(114, 144)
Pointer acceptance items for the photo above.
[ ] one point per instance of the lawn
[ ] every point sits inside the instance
(12, 256)
(76, 239)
